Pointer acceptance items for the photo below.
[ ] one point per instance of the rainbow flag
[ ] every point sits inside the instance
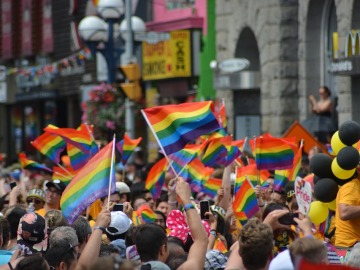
(94, 148)
(32, 165)
(89, 184)
(64, 175)
(79, 138)
(181, 159)
(156, 178)
(220, 246)
(146, 213)
(241, 217)
(217, 151)
(250, 172)
(50, 145)
(211, 186)
(281, 178)
(176, 125)
(245, 200)
(78, 158)
(126, 147)
(296, 164)
(233, 154)
(273, 154)
(195, 170)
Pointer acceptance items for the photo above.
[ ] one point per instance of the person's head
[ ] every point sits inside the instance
(124, 191)
(311, 250)
(151, 242)
(62, 256)
(162, 206)
(32, 234)
(176, 249)
(63, 235)
(114, 198)
(119, 225)
(37, 197)
(83, 231)
(13, 216)
(113, 262)
(324, 92)
(33, 262)
(149, 199)
(4, 224)
(256, 244)
(138, 201)
(278, 197)
(160, 219)
(55, 218)
(108, 250)
(54, 191)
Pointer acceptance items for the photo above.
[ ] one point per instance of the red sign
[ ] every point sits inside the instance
(26, 37)
(6, 29)
(47, 43)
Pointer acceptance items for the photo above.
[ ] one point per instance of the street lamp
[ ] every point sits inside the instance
(94, 30)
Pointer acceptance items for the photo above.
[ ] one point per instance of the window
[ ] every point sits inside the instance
(175, 4)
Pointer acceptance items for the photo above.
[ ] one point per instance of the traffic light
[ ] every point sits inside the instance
(131, 87)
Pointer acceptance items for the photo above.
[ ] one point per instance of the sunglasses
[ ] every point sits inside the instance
(36, 201)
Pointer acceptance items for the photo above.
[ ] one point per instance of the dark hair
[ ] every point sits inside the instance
(148, 240)
(130, 236)
(82, 228)
(4, 224)
(116, 192)
(13, 215)
(327, 90)
(161, 214)
(272, 207)
(107, 250)
(60, 252)
(32, 262)
(174, 263)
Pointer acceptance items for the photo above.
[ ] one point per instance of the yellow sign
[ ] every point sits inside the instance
(167, 59)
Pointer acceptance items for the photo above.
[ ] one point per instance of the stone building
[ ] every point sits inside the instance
(293, 48)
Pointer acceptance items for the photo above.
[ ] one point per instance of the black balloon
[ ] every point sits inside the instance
(316, 179)
(348, 158)
(326, 190)
(320, 165)
(349, 132)
(341, 182)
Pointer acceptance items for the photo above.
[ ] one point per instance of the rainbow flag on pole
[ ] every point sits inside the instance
(50, 145)
(273, 154)
(126, 147)
(89, 184)
(251, 173)
(211, 186)
(245, 200)
(32, 165)
(156, 178)
(176, 125)
(281, 178)
(296, 164)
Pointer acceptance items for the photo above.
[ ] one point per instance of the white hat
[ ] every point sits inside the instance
(122, 188)
(119, 224)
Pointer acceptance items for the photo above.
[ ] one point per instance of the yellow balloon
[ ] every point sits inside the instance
(332, 205)
(318, 212)
(339, 172)
(336, 143)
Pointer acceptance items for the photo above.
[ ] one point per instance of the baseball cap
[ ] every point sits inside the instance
(59, 185)
(218, 210)
(119, 224)
(31, 234)
(37, 193)
(122, 188)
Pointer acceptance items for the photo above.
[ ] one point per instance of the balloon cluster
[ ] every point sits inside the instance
(333, 172)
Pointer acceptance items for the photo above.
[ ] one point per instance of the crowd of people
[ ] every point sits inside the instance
(35, 235)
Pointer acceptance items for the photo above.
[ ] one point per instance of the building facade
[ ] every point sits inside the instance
(291, 45)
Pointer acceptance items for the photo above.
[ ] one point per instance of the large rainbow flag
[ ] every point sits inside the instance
(50, 145)
(245, 201)
(176, 125)
(273, 154)
(89, 184)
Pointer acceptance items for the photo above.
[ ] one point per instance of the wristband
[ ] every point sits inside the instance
(10, 266)
(189, 206)
(99, 228)
(213, 232)
(172, 203)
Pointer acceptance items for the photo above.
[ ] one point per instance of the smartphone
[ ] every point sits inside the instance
(288, 219)
(118, 207)
(12, 185)
(204, 207)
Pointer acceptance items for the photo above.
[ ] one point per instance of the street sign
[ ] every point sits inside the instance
(151, 37)
(234, 65)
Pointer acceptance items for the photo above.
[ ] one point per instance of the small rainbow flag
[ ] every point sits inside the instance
(219, 245)
(250, 172)
(156, 178)
(176, 125)
(273, 154)
(245, 200)
(195, 170)
(211, 186)
(296, 164)
(64, 175)
(32, 165)
(146, 214)
(217, 151)
(50, 145)
(89, 184)
(281, 177)
(126, 147)
(78, 158)
(241, 217)
(79, 138)
(233, 154)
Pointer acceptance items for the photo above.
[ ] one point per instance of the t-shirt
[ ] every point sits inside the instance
(347, 231)
(41, 212)
(5, 256)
